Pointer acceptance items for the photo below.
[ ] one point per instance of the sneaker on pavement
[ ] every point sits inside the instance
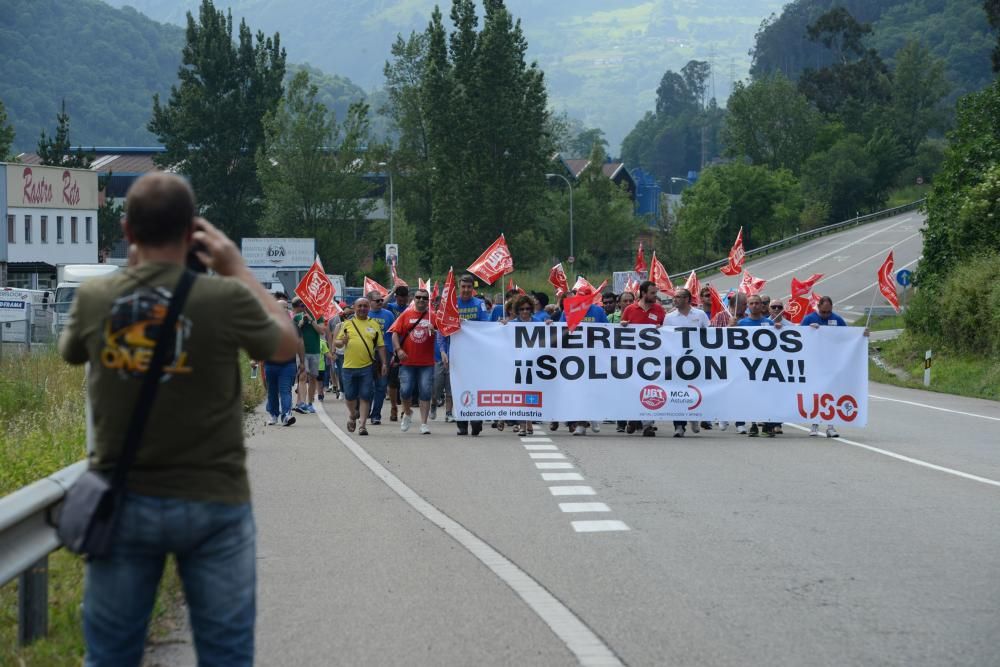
(649, 432)
(678, 431)
(630, 427)
(707, 426)
(695, 427)
(320, 397)
(310, 409)
(777, 430)
(448, 417)
(404, 423)
(580, 430)
(271, 420)
(723, 426)
(754, 431)
(742, 430)
(374, 422)
(475, 428)
(287, 420)
(831, 432)
(300, 408)
(434, 413)
(814, 431)
(425, 429)
(595, 426)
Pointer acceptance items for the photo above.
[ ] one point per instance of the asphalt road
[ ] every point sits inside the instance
(881, 547)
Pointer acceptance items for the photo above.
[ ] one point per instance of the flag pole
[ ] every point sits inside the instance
(874, 296)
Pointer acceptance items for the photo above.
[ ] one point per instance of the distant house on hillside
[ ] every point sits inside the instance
(613, 169)
(641, 186)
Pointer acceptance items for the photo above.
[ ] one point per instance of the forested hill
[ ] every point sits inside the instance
(956, 31)
(106, 63)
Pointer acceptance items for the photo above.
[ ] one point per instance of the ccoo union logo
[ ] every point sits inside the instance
(828, 406)
(509, 399)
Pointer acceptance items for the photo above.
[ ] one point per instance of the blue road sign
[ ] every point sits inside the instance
(904, 277)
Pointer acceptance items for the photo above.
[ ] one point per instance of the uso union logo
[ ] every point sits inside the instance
(828, 406)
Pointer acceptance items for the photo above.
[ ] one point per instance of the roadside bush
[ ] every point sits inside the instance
(962, 314)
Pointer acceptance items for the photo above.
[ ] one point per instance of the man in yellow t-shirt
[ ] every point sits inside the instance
(361, 338)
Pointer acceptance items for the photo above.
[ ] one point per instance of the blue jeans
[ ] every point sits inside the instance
(280, 378)
(214, 545)
(416, 382)
(358, 383)
(379, 387)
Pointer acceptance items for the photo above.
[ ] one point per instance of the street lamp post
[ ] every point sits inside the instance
(569, 185)
(389, 171)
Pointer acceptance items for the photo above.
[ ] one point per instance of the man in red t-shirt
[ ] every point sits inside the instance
(413, 340)
(647, 310)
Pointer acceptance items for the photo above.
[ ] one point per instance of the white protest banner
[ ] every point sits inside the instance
(604, 371)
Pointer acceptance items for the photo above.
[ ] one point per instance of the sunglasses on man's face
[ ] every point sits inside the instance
(420, 298)
(777, 307)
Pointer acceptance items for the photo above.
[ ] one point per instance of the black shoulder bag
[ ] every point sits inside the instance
(376, 367)
(395, 351)
(92, 506)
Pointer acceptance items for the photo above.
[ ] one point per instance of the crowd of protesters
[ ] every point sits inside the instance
(386, 348)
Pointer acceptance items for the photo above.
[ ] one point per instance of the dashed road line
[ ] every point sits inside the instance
(531, 439)
(541, 448)
(572, 491)
(547, 455)
(583, 507)
(554, 465)
(598, 526)
(562, 477)
(582, 642)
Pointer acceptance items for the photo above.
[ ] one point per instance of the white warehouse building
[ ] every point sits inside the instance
(51, 220)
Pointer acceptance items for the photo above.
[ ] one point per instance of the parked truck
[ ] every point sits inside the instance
(70, 278)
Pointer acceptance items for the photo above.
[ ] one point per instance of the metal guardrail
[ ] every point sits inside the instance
(27, 537)
(806, 236)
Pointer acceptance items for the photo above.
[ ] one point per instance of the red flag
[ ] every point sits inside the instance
(736, 257)
(717, 304)
(372, 286)
(434, 292)
(448, 318)
(750, 285)
(659, 276)
(800, 306)
(801, 288)
(640, 261)
(582, 282)
(598, 293)
(693, 285)
(396, 280)
(316, 290)
(575, 309)
(423, 284)
(333, 310)
(885, 284)
(495, 262)
(557, 278)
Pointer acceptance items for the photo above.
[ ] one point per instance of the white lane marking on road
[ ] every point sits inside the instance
(584, 507)
(598, 526)
(547, 455)
(934, 407)
(880, 253)
(541, 448)
(554, 465)
(875, 284)
(572, 491)
(536, 439)
(579, 639)
(909, 459)
(562, 477)
(834, 252)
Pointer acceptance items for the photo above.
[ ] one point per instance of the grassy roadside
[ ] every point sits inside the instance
(41, 407)
(960, 374)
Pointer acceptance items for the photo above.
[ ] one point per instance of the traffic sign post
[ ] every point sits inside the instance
(904, 277)
(392, 253)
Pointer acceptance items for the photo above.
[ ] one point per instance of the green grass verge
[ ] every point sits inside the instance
(41, 407)
(960, 374)
(882, 323)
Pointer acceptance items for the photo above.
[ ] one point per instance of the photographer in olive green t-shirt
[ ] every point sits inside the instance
(187, 492)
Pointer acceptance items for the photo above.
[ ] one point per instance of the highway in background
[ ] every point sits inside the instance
(881, 547)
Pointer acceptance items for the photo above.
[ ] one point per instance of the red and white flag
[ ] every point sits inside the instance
(434, 292)
(423, 284)
(885, 284)
(659, 276)
(582, 282)
(750, 285)
(495, 262)
(372, 286)
(512, 286)
(575, 309)
(800, 306)
(640, 261)
(803, 287)
(447, 318)
(717, 304)
(632, 285)
(557, 278)
(693, 285)
(316, 290)
(598, 294)
(736, 257)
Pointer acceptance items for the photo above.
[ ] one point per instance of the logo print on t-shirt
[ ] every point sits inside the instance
(419, 333)
(132, 329)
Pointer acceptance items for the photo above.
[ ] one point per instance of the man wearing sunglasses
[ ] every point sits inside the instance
(413, 340)
(777, 311)
(379, 312)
